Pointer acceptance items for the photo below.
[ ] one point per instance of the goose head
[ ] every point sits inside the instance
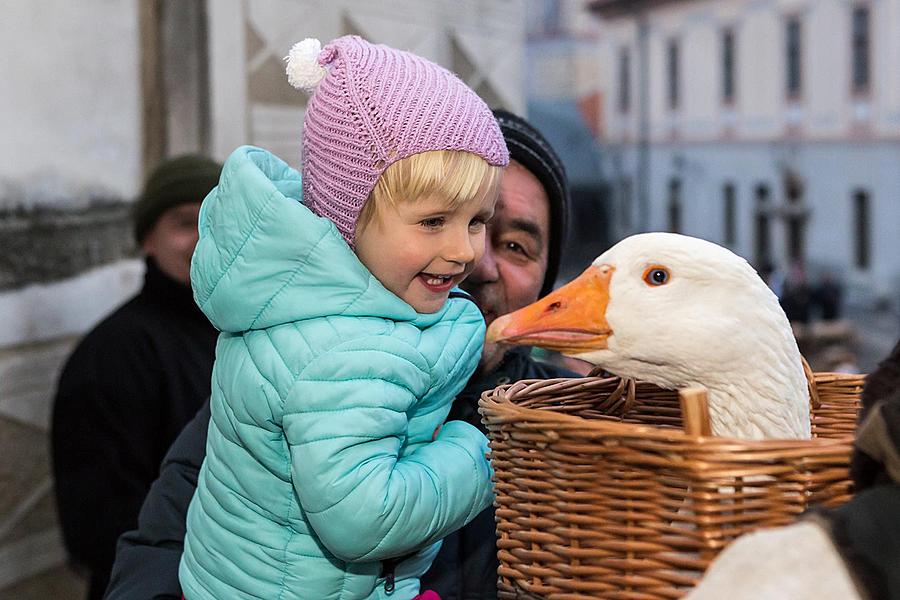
(677, 311)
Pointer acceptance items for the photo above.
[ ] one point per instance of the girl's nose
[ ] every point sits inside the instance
(460, 248)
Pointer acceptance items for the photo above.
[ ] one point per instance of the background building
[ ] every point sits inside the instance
(769, 126)
(566, 101)
(94, 94)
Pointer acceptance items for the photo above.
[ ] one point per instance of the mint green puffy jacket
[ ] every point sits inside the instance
(327, 390)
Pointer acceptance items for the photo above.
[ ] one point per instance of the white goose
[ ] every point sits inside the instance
(678, 311)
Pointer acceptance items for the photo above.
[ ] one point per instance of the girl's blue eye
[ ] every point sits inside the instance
(432, 223)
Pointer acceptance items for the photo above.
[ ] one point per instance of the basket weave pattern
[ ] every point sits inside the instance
(600, 494)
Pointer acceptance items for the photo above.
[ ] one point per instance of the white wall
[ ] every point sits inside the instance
(70, 97)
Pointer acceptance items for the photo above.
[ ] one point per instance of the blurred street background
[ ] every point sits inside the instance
(771, 127)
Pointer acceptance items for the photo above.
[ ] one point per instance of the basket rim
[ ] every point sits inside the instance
(498, 406)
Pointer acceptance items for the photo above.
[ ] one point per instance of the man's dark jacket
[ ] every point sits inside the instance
(125, 393)
(147, 559)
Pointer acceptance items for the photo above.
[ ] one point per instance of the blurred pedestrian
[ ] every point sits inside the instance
(135, 379)
(827, 296)
(796, 297)
(773, 278)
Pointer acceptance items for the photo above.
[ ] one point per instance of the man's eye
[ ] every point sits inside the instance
(514, 247)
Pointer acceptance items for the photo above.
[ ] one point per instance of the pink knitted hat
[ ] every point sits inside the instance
(371, 107)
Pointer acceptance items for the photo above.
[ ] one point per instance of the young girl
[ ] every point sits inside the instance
(328, 474)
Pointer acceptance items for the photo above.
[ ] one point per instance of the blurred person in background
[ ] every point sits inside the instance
(134, 380)
(796, 296)
(521, 260)
(827, 295)
(773, 278)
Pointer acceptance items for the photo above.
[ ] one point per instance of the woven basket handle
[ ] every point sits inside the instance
(814, 400)
(695, 411)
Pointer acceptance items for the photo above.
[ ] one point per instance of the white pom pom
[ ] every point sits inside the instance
(303, 69)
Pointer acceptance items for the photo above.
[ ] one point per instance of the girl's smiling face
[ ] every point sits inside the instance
(421, 249)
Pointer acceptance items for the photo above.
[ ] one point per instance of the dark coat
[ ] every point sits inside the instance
(148, 557)
(466, 566)
(866, 530)
(125, 393)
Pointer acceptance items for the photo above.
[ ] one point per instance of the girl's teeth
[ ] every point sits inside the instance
(436, 280)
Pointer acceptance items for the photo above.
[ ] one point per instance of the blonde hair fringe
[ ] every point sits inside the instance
(457, 176)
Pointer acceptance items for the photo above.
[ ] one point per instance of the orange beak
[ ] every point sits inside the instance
(571, 320)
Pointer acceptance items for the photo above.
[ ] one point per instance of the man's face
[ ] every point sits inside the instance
(172, 239)
(512, 271)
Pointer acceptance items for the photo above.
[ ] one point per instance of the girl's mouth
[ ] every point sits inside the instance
(437, 283)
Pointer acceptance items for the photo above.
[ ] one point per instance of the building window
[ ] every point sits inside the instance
(861, 42)
(763, 250)
(793, 58)
(674, 84)
(863, 241)
(728, 66)
(627, 207)
(552, 21)
(729, 197)
(624, 80)
(675, 205)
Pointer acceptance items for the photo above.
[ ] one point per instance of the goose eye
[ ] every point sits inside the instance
(656, 276)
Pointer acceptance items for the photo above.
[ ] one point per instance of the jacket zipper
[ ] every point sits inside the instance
(388, 567)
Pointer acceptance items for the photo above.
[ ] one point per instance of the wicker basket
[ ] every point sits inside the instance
(602, 494)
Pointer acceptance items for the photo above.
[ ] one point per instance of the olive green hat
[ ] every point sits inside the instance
(175, 181)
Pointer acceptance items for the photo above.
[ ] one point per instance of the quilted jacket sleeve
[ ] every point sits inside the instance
(345, 422)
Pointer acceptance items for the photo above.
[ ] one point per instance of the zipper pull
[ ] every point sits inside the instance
(387, 571)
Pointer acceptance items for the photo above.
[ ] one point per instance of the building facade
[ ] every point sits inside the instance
(565, 102)
(769, 126)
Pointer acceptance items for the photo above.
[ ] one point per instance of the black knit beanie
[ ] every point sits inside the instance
(529, 148)
(180, 180)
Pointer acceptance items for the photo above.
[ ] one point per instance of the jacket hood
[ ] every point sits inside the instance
(264, 259)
